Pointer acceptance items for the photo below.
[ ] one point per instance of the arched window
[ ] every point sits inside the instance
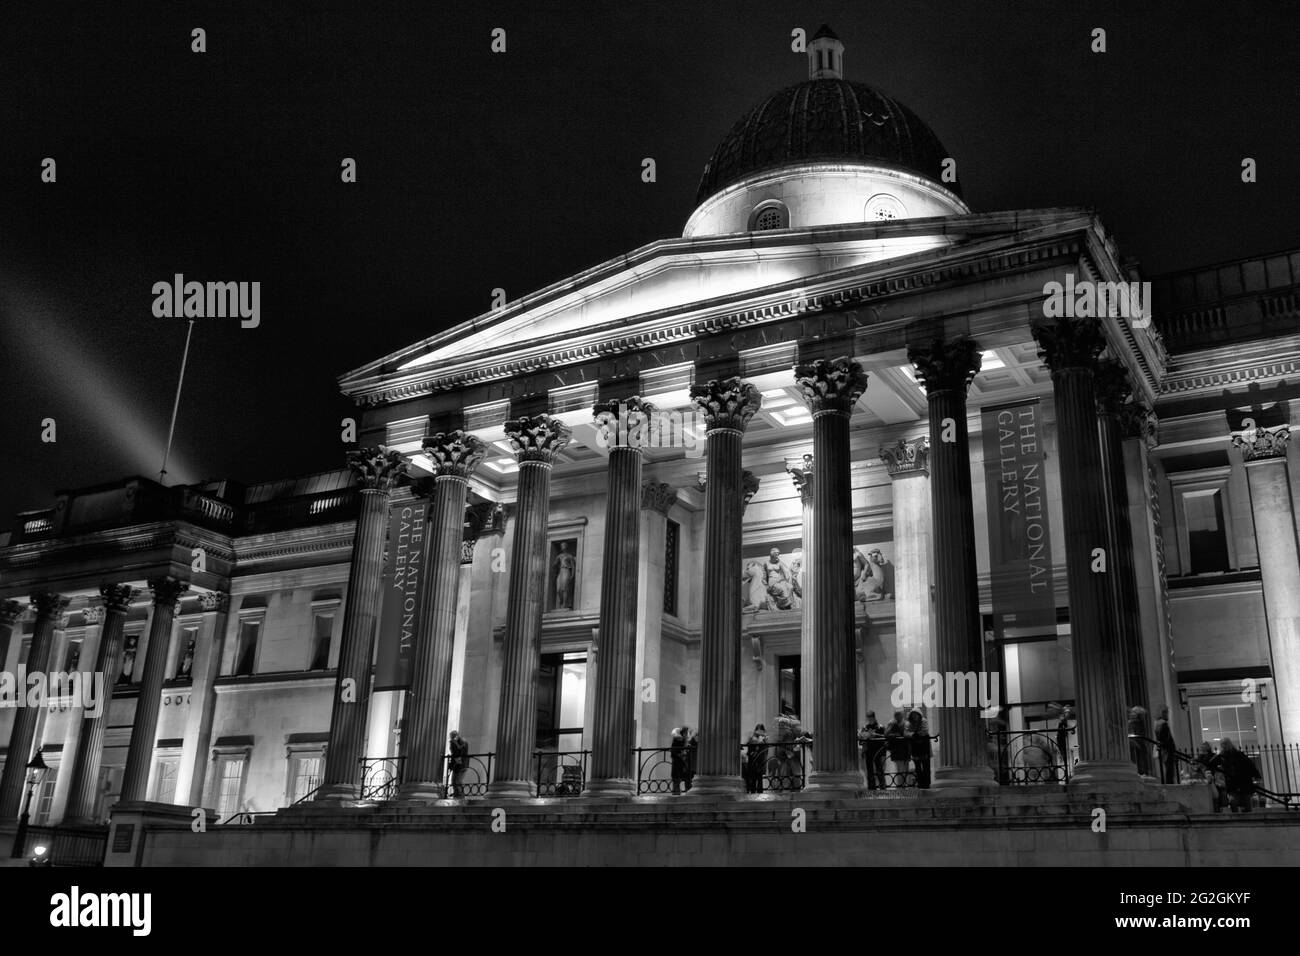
(770, 215)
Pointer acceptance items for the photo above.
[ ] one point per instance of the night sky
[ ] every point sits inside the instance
(478, 170)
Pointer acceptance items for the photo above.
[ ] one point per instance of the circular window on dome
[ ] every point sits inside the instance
(884, 206)
(769, 215)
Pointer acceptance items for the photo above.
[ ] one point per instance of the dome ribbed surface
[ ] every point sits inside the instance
(825, 120)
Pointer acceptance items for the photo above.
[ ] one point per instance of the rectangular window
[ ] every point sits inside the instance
(672, 542)
(1207, 538)
(44, 801)
(229, 783)
(305, 771)
(322, 629)
(788, 692)
(1235, 721)
(246, 646)
(164, 787)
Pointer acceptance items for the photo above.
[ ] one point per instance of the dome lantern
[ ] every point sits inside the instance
(825, 56)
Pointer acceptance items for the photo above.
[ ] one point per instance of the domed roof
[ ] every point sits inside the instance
(826, 119)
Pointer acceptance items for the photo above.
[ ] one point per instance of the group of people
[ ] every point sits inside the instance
(1230, 774)
(906, 743)
(776, 760)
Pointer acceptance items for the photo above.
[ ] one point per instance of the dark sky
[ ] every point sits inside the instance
(479, 170)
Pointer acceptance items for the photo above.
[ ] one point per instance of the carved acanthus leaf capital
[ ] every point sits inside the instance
(167, 590)
(1112, 386)
(658, 496)
(907, 456)
(1258, 444)
(831, 385)
(537, 437)
(748, 486)
(455, 453)
(727, 403)
(93, 613)
(11, 611)
(1138, 420)
(1065, 343)
(946, 364)
(801, 473)
(377, 468)
(218, 601)
(118, 597)
(48, 604)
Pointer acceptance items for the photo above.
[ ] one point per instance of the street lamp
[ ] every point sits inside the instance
(35, 773)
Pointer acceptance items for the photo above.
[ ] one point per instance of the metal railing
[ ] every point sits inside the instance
(775, 766)
(561, 773)
(474, 779)
(1029, 757)
(244, 818)
(1276, 763)
(380, 777)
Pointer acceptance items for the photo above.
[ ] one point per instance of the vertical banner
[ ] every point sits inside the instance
(1020, 547)
(399, 618)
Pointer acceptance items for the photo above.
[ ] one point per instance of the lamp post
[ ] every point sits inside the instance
(35, 773)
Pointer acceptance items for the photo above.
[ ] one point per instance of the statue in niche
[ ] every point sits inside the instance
(770, 585)
(754, 586)
(564, 575)
(870, 582)
(796, 573)
(128, 658)
(187, 662)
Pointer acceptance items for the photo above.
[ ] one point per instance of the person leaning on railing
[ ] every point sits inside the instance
(1239, 775)
(871, 738)
(896, 742)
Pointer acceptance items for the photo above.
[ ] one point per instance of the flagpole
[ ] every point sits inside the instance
(162, 474)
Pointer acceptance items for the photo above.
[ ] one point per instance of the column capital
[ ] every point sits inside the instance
(214, 601)
(1138, 420)
(658, 496)
(11, 611)
(93, 613)
(49, 604)
(748, 486)
(950, 364)
(454, 454)
(1068, 343)
(831, 385)
(727, 403)
(481, 518)
(800, 471)
(537, 437)
(376, 468)
(1112, 386)
(907, 456)
(118, 597)
(616, 419)
(1262, 444)
(167, 590)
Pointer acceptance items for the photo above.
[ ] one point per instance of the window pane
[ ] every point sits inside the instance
(1206, 536)
(322, 630)
(165, 787)
(229, 782)
(246, 652)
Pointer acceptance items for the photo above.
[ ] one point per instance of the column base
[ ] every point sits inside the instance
(716, 785)
(1105, 774)
(611, 788)
(420, 791)
(959, 780)
(339, 794)
(834, 784)
(512, 789)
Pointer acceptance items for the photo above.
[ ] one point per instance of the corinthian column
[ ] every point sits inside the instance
(49, 609)
(1116, 416)
(946, 368)
(167, 593)
(612, 762)
(376, 470)
(1070, 349)
(83, 790)
(908, 462)
(536, 441)
(728, 405)
(455, 455)
(1263, 450)
(801, 473)
(10, 612)
(831, 389)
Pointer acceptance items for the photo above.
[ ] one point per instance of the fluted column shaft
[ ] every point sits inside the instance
(612, 767)
(424, 723)
(144, 730)
(947, 369)
(1264, 453)
(728, 405)
(909, 472)
(49, 608)
(1070, 348)
(536, 440)
(376, 471)
(10, 611)
(802, 475)
(83, 790)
